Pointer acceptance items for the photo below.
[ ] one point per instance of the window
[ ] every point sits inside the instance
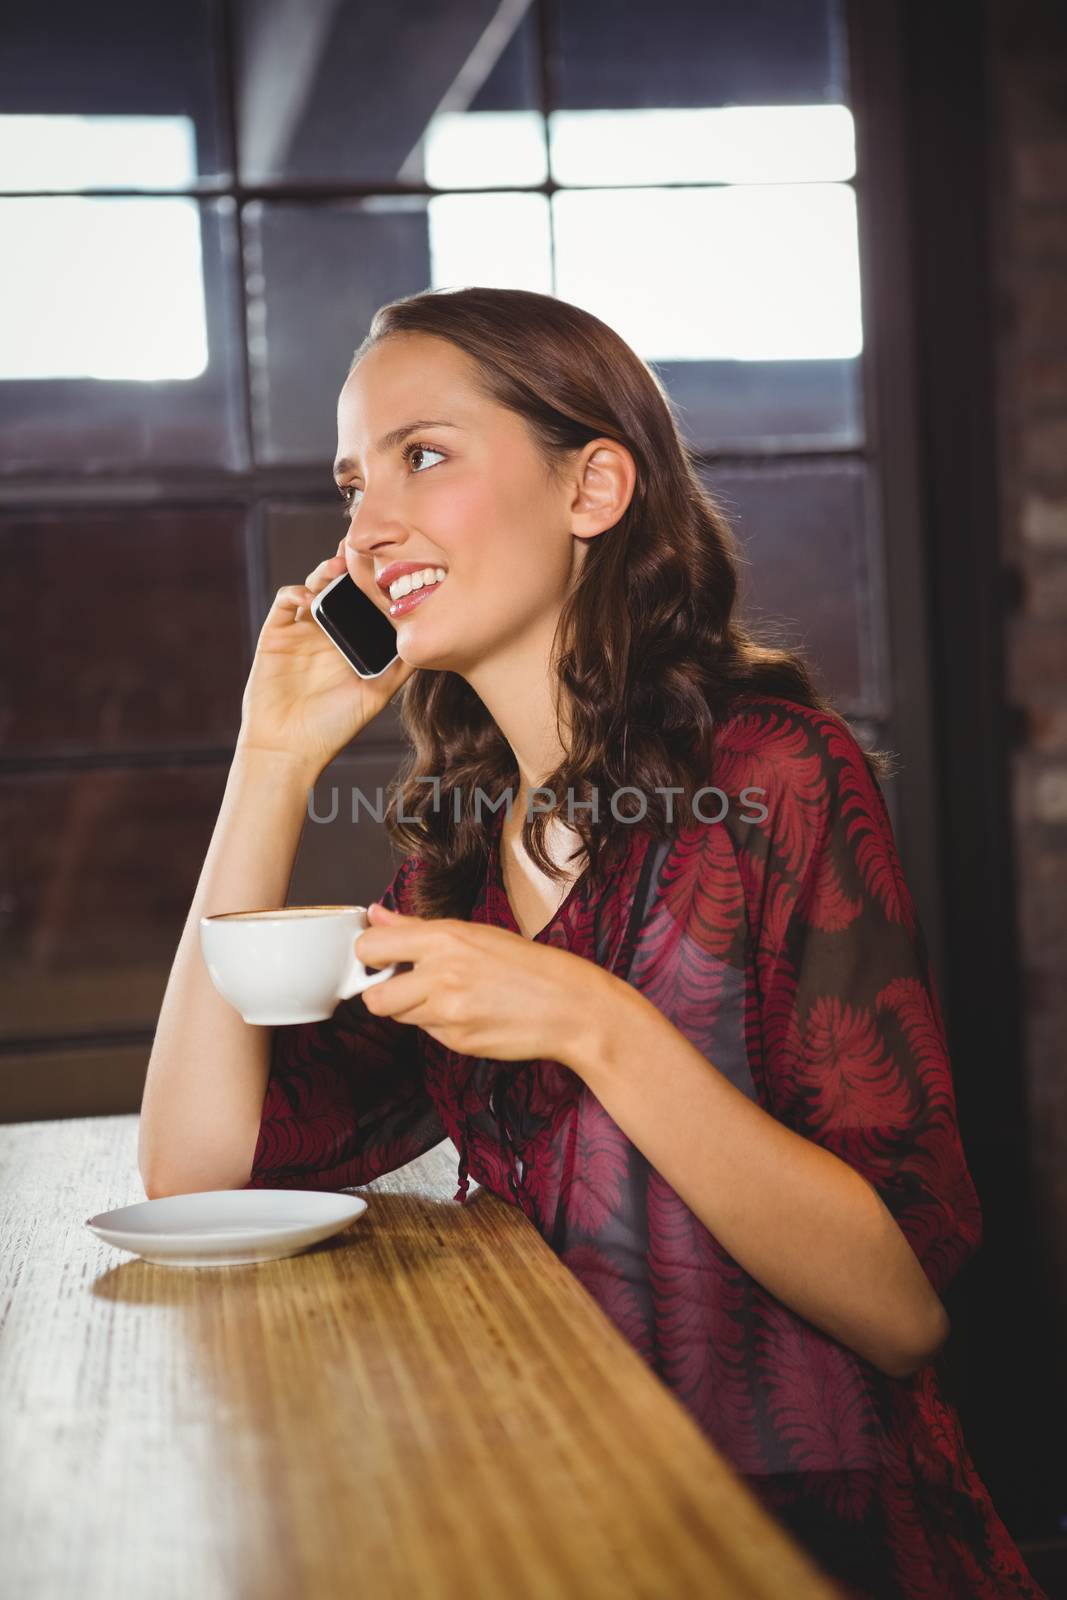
(205, 203)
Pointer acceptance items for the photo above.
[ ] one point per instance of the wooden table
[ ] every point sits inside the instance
(428, 1405)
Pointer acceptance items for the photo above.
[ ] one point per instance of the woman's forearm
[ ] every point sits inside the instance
(800, 1221)
(207, 1074)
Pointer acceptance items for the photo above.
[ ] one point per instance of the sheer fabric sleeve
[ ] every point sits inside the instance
(854, 1051)
(346, 1098)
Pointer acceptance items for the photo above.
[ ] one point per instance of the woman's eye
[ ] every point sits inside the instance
(350, 490)
(420, 450)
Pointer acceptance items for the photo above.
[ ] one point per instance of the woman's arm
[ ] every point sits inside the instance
(209, 1069)
(200, 1113)
(800, 1220)
(839, 1181)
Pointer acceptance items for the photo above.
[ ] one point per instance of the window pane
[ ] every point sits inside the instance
(496, 240)
(715, 53)
(731, 144)
(804, 531)
(377, 93)
(101, 867)
(317, 274)
(767, 272)
(119, 332)
(746, 299)
(102, 289)
(767, 405)
(53, 152)
(137, 641)
(485, 149)
(141, 81)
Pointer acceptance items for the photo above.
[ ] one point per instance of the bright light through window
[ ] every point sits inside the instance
(498, 240)
(100, 288)
(760, 273)
(722, 144)
(97, 152)
(763, 266)
(484, 149)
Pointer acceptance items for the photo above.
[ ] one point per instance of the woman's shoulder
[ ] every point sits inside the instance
(822, 812)
(800, 772)
(782, 734)
(773, 714)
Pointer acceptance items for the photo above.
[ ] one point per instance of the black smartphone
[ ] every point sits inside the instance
(363, 634)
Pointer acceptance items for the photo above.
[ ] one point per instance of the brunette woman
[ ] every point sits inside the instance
(683, 1015)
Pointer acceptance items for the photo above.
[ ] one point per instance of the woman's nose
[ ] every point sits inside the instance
(364, 536)
(361, 550)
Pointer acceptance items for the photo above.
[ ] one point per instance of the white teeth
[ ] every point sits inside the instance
(415, 580)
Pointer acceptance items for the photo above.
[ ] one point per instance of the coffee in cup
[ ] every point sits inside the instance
(291, 964)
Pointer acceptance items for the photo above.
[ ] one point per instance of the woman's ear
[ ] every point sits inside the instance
(604, 486)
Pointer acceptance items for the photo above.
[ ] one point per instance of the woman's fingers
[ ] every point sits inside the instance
(296, 597)
(292, 598)
(325, 573)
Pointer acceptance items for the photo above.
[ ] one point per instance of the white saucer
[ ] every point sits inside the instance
(227, 1227)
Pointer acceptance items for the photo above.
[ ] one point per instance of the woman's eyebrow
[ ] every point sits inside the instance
(389, 442)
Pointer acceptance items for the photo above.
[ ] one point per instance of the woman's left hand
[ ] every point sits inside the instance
(481, 990)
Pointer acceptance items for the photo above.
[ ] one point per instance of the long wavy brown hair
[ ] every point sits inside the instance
(650, 652)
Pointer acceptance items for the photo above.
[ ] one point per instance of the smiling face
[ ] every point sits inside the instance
(474, 497)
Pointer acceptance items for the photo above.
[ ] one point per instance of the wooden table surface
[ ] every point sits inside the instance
(428, 1405)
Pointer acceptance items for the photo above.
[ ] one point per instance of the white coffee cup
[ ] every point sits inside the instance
(293, 964)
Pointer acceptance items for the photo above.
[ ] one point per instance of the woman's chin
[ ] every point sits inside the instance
(417, 653)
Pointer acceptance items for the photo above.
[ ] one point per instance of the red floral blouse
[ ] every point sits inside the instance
(786, 948)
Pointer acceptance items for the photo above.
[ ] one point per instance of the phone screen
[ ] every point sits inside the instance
(363, 634)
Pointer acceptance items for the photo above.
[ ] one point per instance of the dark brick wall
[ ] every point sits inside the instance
(1028, 58)
(1029, 81)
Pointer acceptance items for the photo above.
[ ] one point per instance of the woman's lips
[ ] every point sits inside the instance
(408, 602)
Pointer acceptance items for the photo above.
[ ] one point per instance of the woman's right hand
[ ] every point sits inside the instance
(302, 697)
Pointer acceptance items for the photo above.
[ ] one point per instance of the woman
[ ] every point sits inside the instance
(687, 1021)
